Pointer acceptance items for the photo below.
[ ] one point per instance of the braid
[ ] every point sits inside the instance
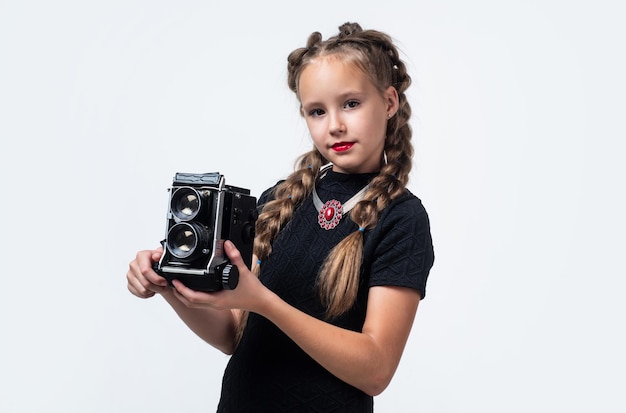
(278, 212)
(288, 195)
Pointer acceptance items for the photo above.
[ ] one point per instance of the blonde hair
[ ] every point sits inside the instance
(374, 53)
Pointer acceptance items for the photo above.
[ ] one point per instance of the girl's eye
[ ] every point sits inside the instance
(316, 112)
(351, 104)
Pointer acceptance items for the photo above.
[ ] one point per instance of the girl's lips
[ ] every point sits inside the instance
(342, 146)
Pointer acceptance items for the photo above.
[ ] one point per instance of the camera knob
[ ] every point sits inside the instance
(230, 277)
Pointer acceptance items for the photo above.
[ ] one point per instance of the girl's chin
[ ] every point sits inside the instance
(354, 169)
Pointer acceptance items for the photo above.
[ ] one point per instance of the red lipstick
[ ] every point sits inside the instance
(342, 146)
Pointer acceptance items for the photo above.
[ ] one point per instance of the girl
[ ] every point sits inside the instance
(343, 249)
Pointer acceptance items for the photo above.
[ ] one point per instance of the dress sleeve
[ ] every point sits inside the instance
(401, 244)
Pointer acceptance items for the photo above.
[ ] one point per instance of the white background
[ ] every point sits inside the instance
(519, 135)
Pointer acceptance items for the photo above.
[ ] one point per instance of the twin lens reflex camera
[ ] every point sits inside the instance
(204, 212)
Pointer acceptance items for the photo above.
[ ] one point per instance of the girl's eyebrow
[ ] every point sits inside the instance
(341, 97)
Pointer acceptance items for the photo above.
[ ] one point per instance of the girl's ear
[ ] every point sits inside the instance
(392, 101)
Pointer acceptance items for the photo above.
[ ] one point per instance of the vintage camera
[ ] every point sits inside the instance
(204, 212)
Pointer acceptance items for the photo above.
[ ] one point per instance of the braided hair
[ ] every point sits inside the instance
(373, 53)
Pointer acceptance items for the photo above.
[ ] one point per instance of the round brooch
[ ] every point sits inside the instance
(330, 214)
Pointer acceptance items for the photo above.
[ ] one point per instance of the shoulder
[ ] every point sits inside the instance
(406, 208)
(404, 219)
(269, 194)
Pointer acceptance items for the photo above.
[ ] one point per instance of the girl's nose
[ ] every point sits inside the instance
(336, 125)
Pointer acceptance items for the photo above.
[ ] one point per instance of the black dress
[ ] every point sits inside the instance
(268, 372)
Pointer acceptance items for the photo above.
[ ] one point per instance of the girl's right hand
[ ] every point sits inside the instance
(142, 280)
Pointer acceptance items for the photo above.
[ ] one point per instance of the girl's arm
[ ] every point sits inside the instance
(366, 360)
(216, 327)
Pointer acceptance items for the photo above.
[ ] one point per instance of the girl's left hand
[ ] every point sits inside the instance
(248, 295)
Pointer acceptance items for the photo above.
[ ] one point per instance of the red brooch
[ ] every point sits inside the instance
(330, 214)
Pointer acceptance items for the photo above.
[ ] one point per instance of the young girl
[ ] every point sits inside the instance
(342, 248)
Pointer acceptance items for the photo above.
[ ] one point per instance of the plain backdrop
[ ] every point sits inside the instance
(519, 136)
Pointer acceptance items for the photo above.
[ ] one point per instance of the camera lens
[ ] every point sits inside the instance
(185, 203)
(187, 240)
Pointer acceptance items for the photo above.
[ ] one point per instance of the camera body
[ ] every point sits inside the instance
(203, 213)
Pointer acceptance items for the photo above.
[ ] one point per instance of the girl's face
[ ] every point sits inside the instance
(346, 115)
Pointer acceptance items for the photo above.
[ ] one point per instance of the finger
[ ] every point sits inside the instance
(190, 297)
(141, 294)
(217, 300)
(233, 253)
(143, 278)
(146, 269)
(136, 287)
(156, 254)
